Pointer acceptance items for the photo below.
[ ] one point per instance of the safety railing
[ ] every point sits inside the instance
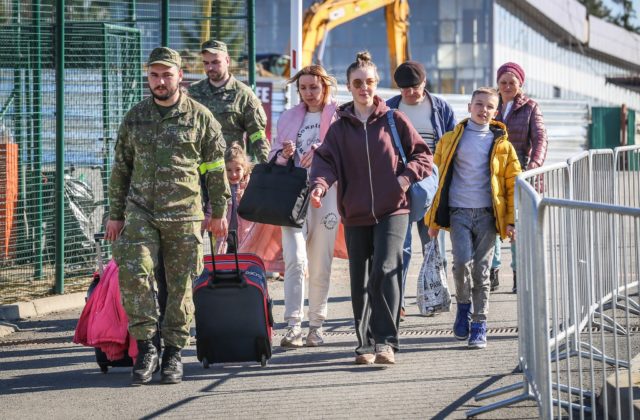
(578, 274)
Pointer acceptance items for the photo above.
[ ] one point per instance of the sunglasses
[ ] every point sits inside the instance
(357, 83)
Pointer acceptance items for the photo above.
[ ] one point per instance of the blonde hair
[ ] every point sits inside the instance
(363, 60)
(486, 90)
(318, 71)
(236, 153)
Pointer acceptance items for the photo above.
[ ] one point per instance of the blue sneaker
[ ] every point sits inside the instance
(461, 324)
(478, 336)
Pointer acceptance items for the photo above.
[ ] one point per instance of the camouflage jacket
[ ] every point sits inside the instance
(158, 161)
(239, 111)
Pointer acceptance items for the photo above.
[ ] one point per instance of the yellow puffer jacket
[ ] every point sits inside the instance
(505, 167)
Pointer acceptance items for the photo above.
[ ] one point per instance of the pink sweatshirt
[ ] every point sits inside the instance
(291, 120)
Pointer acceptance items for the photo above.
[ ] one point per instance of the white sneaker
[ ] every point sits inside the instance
(315, 338)
(292, 338)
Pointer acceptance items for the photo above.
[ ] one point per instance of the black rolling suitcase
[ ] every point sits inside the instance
(101, 357)
(232, 310)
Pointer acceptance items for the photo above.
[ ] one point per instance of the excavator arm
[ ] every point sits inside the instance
(323, 16)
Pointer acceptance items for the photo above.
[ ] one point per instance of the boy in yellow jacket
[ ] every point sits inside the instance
(478, 169)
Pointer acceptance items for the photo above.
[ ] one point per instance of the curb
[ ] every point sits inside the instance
(40, 307)
(623, 388)
(6, 330)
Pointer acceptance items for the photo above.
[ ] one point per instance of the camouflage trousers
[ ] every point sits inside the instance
(136, 252)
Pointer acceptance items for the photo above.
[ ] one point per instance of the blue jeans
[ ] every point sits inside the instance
(423, 231)
(473, 236)
(496, 263)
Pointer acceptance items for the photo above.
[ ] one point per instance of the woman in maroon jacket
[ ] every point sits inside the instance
(526, 131)
(359, 153)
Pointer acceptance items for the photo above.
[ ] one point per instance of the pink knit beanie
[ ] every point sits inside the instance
(511, 68)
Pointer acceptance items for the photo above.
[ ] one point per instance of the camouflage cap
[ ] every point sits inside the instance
(214, 46)
(166, 56)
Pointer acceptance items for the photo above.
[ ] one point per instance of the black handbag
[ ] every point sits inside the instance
(276, 195)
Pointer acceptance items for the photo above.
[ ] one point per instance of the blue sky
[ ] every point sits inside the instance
(617, 8)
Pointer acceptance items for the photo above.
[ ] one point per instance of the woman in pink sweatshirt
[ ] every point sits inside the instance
(301, 130)
(359, 153)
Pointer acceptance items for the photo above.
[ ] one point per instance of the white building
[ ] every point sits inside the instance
(566, 53)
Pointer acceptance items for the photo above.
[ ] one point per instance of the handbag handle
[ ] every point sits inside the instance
(272, 163)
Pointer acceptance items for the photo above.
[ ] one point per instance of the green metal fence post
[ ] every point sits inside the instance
(37, 129)
(165, 23)
(251, 17)
(106, 118)
(133, 11)
(59, 287)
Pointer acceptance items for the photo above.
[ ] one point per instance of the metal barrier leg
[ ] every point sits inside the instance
(572, 406)
(612, 326)
(499, 391)
(504, 403)
(573, 390)
(591, 351)
(629, 305)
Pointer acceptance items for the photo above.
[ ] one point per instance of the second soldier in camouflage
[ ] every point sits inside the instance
(233, 103)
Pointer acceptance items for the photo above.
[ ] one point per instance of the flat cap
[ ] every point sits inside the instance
(166, 56)
(409, 73)
(214, 46)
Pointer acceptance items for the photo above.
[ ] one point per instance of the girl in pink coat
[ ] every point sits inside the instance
(301, 130)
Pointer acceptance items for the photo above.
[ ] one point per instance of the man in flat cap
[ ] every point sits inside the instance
(432, 117)
(233, 103)
(165, 142)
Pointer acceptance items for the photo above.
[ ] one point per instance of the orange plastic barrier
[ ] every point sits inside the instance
(8, 195)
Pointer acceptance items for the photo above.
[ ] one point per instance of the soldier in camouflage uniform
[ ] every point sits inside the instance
(164, 143)
(233, 103)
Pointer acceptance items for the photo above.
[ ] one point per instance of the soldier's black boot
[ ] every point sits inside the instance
(146, 362)
(515, 283)
(171, 370)
(494, 278)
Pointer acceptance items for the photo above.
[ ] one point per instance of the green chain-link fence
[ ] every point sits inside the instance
(105, 46)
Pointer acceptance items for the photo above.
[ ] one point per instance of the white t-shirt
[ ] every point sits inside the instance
(420, 117)
(309, 133)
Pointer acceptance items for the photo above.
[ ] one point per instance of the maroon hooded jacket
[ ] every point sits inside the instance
(526, 131)
(364, 161)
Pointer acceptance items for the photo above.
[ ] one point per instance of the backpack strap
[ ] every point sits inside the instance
(396, 136)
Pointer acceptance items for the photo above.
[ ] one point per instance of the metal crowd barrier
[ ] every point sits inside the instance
(578, 226)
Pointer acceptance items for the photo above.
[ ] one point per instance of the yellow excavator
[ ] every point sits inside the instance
(322, 16)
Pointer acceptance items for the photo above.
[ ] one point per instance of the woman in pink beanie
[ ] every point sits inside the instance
(527, 133)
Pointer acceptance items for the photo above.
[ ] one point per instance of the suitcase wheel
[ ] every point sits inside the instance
(205, 363)
(104, 368)
(263, 360)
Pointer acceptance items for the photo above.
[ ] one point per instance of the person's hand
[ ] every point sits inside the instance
(316, 195)
(404, 183)
(205, 223)
(433, 232)
(307, 158)
(218, 227)
(113, 230)
(511, 233)
(289, 149)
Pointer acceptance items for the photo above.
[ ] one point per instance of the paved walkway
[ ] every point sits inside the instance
(43, 374)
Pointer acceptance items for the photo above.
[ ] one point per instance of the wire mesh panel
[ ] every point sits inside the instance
(26, 93)
(106, 44)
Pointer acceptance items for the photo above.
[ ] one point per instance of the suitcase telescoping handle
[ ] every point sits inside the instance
(97, 237)
(225, 278)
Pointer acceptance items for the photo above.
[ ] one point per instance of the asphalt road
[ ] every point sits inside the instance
(44, 375)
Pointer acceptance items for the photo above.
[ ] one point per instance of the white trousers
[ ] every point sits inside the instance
(312, 246)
